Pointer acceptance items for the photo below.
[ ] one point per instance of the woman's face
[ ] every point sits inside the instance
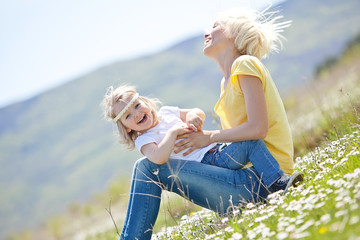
(215, 41)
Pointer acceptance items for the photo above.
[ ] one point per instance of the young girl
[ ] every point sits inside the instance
(154, 133)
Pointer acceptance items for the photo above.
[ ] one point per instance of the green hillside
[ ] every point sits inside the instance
(56, 149)
(326, 137)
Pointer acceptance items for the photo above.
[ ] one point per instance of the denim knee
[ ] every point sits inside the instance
(145, 166)
(250, 144)
(257, 143)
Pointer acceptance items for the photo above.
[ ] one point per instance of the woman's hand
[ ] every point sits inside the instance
(192, 141)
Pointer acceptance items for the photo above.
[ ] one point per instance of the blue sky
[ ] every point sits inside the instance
(44, 43)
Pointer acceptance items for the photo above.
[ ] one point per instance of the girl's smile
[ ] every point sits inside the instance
(138, 117)
(143, 119)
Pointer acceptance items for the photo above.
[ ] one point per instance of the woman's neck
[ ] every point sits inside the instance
(225, 62)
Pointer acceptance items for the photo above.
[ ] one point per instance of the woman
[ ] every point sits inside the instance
(249, 107)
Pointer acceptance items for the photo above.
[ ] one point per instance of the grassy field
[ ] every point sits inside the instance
(325, 206)
(324, 117)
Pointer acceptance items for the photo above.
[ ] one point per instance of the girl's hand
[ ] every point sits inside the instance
(193, 121)
(180, 130)
(192, 141)
(160, 153)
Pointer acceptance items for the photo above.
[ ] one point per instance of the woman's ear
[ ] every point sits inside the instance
(128, 130)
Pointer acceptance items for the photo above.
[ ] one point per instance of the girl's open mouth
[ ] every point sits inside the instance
(144, 118)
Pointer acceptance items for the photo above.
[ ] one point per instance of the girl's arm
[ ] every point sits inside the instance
(160, 154)
(194, 118)
(256, 126)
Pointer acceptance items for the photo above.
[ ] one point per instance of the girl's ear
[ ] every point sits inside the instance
(128, 130)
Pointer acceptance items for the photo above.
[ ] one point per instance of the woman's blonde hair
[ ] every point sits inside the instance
(110, 102)
(255, 33)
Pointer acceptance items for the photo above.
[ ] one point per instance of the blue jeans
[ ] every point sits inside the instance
(208, 186)
(235, 155)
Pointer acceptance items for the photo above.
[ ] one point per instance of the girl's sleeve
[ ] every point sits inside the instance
(143, 140)
(169, 110)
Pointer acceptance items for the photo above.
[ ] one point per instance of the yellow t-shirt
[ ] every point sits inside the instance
(232, 111)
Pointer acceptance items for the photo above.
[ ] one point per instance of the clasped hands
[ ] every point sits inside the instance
(192, 136)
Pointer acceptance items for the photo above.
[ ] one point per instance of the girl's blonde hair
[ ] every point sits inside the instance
(115, 96)
(255, 33)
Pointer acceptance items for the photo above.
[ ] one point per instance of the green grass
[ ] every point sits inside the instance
(325, 206)
(325, 119)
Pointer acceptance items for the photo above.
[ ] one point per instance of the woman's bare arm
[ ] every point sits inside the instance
(256, 126)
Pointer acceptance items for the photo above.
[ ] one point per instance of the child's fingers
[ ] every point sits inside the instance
(192, 127)
(195, 125)
(184, 131)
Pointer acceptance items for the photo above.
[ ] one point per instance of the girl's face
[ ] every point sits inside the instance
(215, 41)
(138, 117)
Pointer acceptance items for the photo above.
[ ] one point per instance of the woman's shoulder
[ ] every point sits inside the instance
(246, 63)
(247, 59)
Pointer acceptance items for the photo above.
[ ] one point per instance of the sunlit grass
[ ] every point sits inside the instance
(325, 206)
(325, 120)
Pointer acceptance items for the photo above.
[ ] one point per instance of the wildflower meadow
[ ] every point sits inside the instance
(324, 206)
(325, 122)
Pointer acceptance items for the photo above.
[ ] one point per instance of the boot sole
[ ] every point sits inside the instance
(294, 180)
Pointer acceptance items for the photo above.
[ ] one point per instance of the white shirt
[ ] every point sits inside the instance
(170, 116)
